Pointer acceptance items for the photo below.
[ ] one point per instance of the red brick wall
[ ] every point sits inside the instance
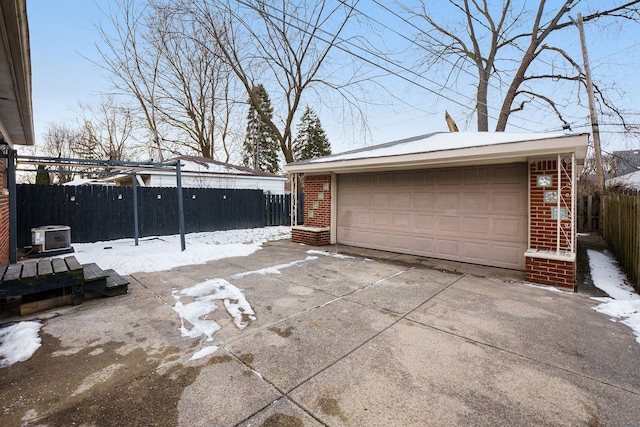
(543, 227)
(4, 217)
(543, 232)
(317, 200)
(310, 237)
(550, 272)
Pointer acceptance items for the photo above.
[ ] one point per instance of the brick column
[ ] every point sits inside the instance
(544, 263)
(4, 216)
(317, 212)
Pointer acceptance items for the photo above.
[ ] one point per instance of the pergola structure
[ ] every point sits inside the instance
(84, 167)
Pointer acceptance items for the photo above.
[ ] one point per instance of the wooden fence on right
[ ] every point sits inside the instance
(621, 229)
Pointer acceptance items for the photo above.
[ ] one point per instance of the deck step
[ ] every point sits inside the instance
(104, 282)
(93, 273)
(48, 283)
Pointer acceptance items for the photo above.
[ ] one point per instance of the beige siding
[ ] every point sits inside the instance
(469, 214)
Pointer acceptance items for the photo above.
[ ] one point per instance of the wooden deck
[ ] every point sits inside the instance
(62, 278)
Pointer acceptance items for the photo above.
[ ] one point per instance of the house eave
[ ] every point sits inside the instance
(513, 152)
(16, 112)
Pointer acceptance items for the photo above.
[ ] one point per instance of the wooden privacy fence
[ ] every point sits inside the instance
(98, 213)
(621, 228)
(588, 213)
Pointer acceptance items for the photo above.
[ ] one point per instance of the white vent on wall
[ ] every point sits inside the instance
(51, 238)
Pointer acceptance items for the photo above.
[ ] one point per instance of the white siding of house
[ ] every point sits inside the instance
(266, 184)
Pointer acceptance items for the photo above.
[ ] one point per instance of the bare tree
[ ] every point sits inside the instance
(107, 132)
(132, 64)
(171, 67)
(281, 44)
(194, 81)
(60, 140)
(490, 37)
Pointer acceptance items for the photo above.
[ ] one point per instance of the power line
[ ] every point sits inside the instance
(406, 21)
(362, 58)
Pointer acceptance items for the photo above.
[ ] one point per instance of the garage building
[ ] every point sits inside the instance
(497, 199)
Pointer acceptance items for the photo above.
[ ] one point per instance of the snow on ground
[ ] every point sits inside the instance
(624, 303)
(275, 269)
(331, 254)
(163, 253)
(193, 316)
(18, 342)
(204, 295)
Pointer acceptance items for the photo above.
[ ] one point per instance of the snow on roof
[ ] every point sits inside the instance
(85, 181)
(198, 167)
(629, 181)
(198, 164)
(438, 141)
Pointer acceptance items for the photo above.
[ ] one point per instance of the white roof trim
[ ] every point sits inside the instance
(447, 149)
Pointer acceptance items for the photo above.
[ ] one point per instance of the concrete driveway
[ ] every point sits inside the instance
(373, 340)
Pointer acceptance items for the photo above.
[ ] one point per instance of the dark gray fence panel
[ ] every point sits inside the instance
(97, 213)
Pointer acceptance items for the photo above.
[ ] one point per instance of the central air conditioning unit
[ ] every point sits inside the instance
(49, 238)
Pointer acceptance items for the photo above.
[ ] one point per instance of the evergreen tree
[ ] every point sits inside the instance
(260, 147)
(42, 176)
(311, 140)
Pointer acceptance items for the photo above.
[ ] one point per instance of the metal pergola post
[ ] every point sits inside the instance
(294, 199)
(180, 206)
(135, 207)
(13, 217)
(115, 167)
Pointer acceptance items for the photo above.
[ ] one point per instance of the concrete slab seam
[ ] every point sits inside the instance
(395, 322)
(531, 359)
(284, 393)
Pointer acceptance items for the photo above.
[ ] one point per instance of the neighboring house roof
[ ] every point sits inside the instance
(211, 166)
(16, 114)
(447, 149)
(629, 181)
(85, 181)
(626, 161)
(202, 166)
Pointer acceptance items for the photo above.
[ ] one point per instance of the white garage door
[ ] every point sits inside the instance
(470, 214)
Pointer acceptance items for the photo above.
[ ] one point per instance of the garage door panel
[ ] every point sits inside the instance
(347, 216)
(509, 174)
(506, 203)
(401, 221)
(401, 242)
(363, 181)
(506, 255)
(476, 252)
(402, 200)
(447, 248)
(363, 200)
(424, 222)
(448, 224)
(449, 176)
(508, 229)
(424, 245)
(382, 200)
(424, 201)
(448, 200)
(477, 227)
(476, 201)
(402, 179)
(382, 220)
(475, 214)
(476, 176)
(364, 218)
(381, 240)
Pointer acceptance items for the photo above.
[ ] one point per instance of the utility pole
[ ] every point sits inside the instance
(595, 130)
